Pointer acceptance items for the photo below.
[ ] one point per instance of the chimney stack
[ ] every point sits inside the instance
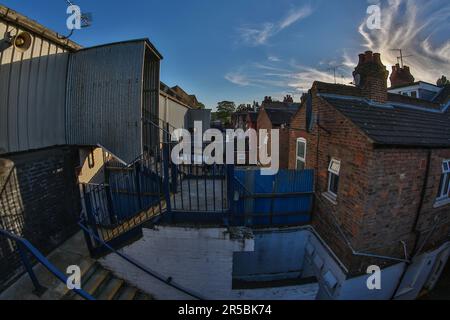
(288, 99)
(401, 76)
(371, 76)
(267, 99)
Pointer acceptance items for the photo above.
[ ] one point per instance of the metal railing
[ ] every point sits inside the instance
(24, 246)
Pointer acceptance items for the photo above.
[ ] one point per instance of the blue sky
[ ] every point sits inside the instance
(244, 50)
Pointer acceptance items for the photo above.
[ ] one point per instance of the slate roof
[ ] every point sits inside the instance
(395, 125)
(282, 115)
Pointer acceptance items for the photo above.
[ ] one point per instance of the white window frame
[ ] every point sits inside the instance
(297, 158)
(444, 192)
(334, 171)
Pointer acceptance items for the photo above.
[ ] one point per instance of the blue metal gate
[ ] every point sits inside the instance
(282, 199)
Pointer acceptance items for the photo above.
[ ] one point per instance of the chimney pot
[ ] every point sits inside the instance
(377, 58)
(401, 76)
(373, 76)
(361, 58)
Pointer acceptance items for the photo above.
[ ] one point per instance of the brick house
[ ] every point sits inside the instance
(382, 165)
(278, 115)
(252, 120)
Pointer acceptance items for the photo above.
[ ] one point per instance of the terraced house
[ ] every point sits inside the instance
(381, 162)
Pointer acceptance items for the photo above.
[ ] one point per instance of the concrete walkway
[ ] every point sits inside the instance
(72, 252)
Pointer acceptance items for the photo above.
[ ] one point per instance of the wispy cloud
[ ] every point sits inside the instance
(294, 16)
(292, 77)
(259, 35)
(273, 59)
(237, 78)
(420, 30)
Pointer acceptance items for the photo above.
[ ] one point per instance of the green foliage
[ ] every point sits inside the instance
(224, 111)
(201, 106)
(442, 81)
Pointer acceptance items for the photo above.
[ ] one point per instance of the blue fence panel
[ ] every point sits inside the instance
(282, 199)
(134, 191)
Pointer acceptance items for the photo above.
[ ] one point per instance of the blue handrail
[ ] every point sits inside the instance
(137, 264)
(25, 244)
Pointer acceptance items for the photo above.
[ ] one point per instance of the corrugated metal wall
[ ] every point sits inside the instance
(32, 94)
(150, 111)
(172, 112)
(104, 98)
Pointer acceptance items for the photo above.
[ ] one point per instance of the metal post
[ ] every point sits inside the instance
(38, 288)
(137, 170)
(90, 216)
(230, 190)
(166, 182)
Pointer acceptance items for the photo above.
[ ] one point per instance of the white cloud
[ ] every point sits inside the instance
(296, 77)
(415, 28)
(259, 35)
(294, 16)
(421, 31)
(237, 78)
(273, 59)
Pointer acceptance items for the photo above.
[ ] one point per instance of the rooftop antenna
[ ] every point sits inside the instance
(334, 69)
(400, 59)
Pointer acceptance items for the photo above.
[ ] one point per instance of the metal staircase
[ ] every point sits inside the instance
(104, 285)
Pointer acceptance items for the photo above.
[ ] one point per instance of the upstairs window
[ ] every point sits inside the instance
(444, 185)
(333, 177)
(301, 154)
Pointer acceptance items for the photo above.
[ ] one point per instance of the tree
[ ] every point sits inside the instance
(442, 81)
(201, 106)
(224, 111)
(244, 108)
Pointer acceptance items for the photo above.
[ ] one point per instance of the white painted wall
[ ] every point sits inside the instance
(200, 259)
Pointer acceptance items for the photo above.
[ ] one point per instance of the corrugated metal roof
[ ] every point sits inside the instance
(104, 98)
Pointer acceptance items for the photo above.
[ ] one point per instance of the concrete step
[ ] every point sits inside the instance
(142, 296)
(104, 285)
(127, 293)
(94, 282)
(110, 290)
(62, 290)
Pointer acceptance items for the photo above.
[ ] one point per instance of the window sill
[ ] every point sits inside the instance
(330, 197)
(441, 203)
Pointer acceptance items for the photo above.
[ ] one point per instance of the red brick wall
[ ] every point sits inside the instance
(379, 189)
(265, 123)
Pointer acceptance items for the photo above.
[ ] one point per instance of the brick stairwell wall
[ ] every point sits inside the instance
(41, 203)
